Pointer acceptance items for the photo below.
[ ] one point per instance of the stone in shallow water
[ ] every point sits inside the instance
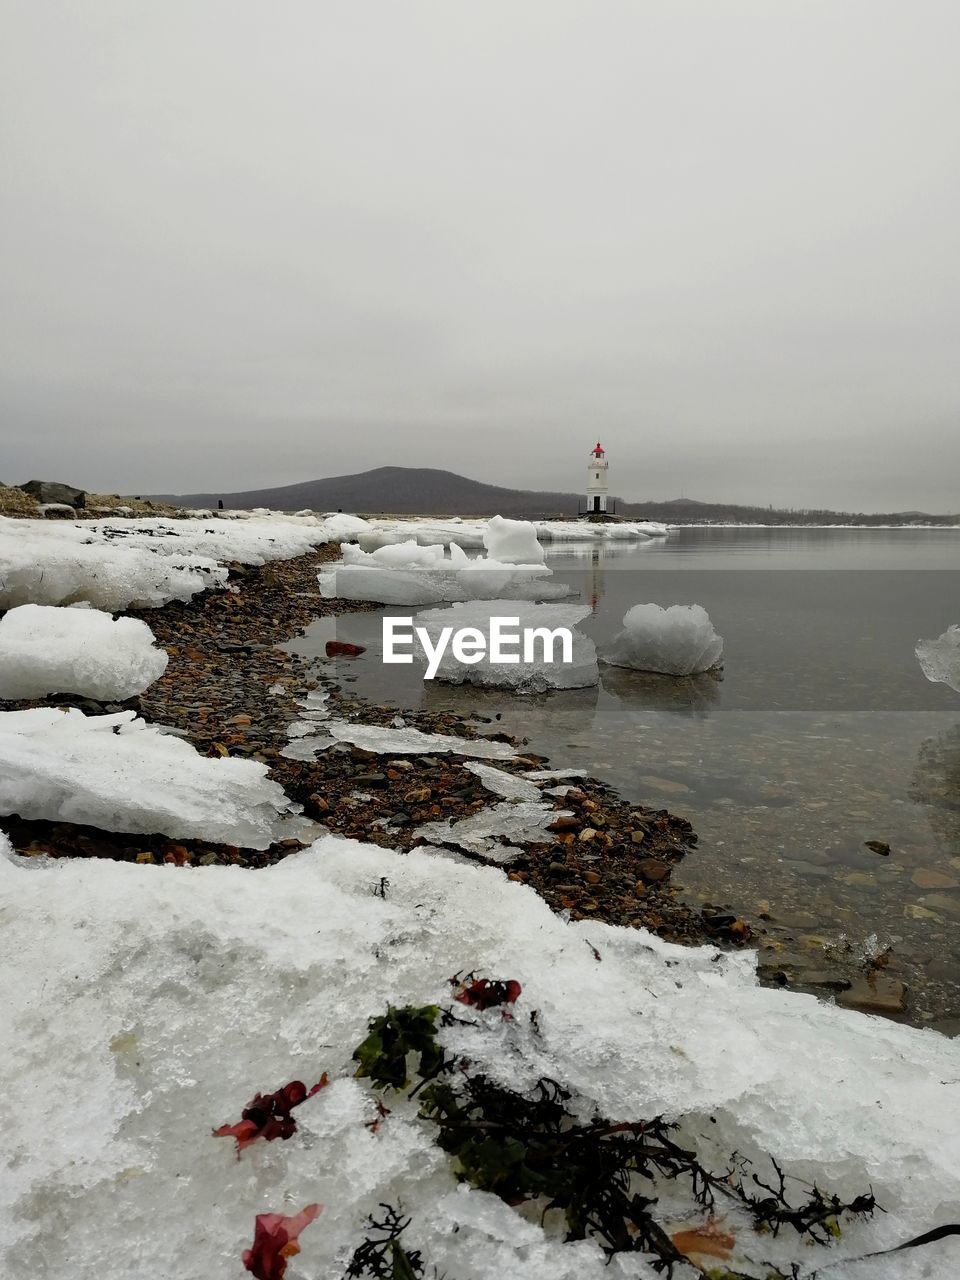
(875, 994)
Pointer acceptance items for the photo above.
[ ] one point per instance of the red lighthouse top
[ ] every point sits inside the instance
(598, 451)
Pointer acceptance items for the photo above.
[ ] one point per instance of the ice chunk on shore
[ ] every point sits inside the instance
(45, 649)
(405, 742)
(410, 574)
(509, 786)
(485, 833)
(118, 773)
(150, 1003)
(544, 671)
(676, 641)
(512, 541)
(940, 658)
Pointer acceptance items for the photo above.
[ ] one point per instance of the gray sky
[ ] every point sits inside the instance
(251, 243)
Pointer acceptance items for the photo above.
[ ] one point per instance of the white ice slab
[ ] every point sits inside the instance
(45, 649)
(940, 659)
(118, 773)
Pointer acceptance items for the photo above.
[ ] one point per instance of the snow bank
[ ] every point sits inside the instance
(940, 658)
(150, 1003)
(118, 773)
(410, 574)
(116, 564)
(678, 641)
(45, 649)
(513, 541)
(522, 677)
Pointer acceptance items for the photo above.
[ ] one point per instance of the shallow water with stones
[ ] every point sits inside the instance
(822, 734)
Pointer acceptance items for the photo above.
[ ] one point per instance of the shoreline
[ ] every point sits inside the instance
(223, 661)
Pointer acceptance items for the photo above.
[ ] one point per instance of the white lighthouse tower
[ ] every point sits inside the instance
(597, 482)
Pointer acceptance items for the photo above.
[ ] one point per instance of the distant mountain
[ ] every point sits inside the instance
(427, 491)
(394, 491)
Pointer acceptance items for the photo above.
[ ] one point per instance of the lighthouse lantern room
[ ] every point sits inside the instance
(597, 481)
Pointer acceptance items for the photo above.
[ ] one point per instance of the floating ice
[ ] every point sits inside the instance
(940, 658)
(410, 574)
(146, 562)
(471, 534)
(534, 676)
(119, 774)
(512, 541)
(45, 649)
(150, 1003)
(677, 641)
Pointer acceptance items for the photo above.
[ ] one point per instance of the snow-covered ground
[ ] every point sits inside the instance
(115, 564)
(145, 1006)
(45, 649)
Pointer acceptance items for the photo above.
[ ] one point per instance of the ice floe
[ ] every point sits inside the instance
(542, 670)
(46, 649)
(148, 1004)
(118, 773)
(940, 659)
(677, 641)
(410, 574)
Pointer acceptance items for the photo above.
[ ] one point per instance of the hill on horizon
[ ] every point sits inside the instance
(394, 491)
(429, 491)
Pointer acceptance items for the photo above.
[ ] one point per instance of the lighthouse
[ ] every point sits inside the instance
(597, 481)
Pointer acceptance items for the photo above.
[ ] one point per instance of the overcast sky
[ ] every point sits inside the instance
(250, 243)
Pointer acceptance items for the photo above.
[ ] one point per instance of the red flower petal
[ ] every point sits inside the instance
(482, 993)
(275, 1240)
(268, 1115)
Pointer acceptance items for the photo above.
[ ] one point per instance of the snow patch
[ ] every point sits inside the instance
(150, 1003)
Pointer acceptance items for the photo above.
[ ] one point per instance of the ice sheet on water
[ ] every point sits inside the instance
(150, 1003)
(410, 574)
(940, 658)
(469, 534)
(535, 676)
(118, 773)
(677, 641)
(46, 649)
(512, 541)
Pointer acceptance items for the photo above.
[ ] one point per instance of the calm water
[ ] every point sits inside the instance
(822, 734)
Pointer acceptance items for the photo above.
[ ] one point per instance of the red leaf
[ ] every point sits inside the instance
(484, 993)
(275, 1240)
(268, 1115)
(342, 648)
